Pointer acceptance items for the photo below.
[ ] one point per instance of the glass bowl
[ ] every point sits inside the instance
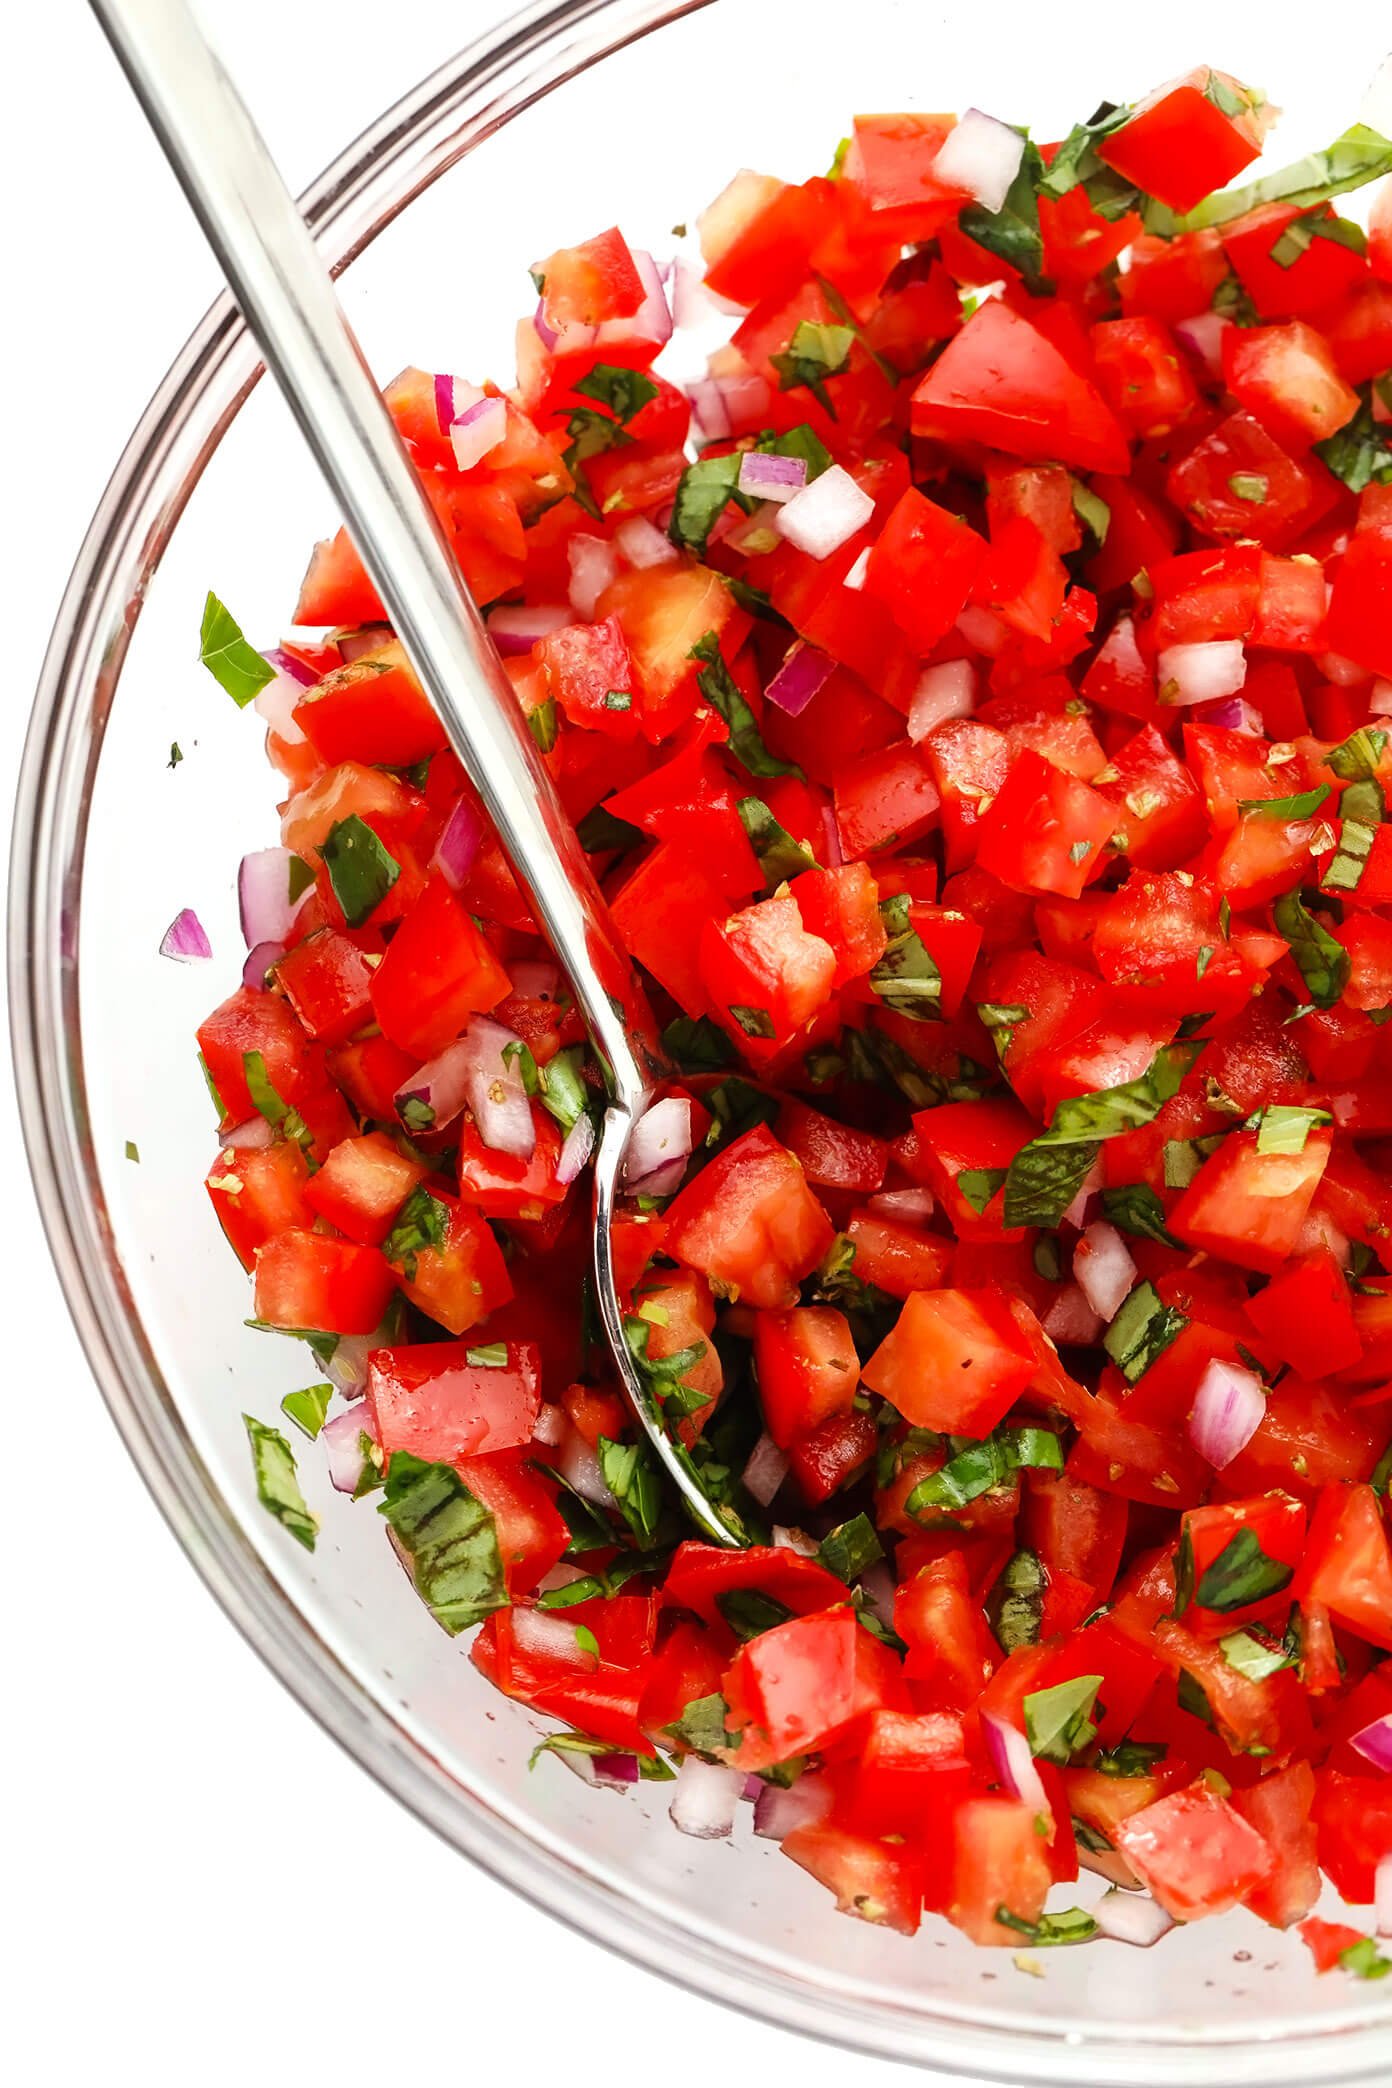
(552, 125)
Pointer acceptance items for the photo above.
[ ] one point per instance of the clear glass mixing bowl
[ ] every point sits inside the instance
(551, 126)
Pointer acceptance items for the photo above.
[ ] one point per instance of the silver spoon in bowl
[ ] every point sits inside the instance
(289, 304)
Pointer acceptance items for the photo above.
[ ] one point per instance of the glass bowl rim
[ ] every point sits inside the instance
(358, 195)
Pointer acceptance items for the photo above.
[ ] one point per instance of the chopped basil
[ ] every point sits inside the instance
(724, 695)
(132, 1151)
(631, 1478)
(755, 1022)
(360, 869)
(1091, 1838)
(521, 1055)
(599, 832)
(651, 1768)
(1072, 1926)
(815, 352)
(695, 1044)
(780, 856)
(1077, 164)
(1283, 1129)
(847, 1550)
(234, 664)
(1092, 511)
(450, 1538)
(1303, 806)
(1130, 1758)
(704, 492)
(701, 1728)
(176, 754)
(308, 1408)
(1356, 837)
(1381, 1480)
(980, 1184)
(1046, 1174)
(1058, 1721)
(1359, 156)
(1142, 1330)
(277, 1482)
(1251, 1656)
(492, 1355)
(1358, 453)
(666, 1375)
(321, 1345)
(560, 1088)
(1181, 1158)
(1357, 758)
(906, 978)
(749, 1612)
(618, 700)
(1301, 233)
(421, 1223)
(1240, 1574)
(1364, 1960)
(625, 392)
(1015, 1606)
(1249, 485)
(269, 1104)
(543, 725)
(1012, 232)
(1192, 1697)
(979, 1467)
(736, 1107)
(1136, 1209)
(1001, 1019)
(1323, 961)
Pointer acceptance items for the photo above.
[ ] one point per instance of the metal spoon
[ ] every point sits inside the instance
(289, 304)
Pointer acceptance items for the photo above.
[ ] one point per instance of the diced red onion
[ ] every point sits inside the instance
(709, 407)
(905, 1206)
(653, 319)
(259, 961)
(479, 429)
(643, 544)
(251, 1137)
(752, 1786)
(343, 1446)
(1080, 1212)
(779, 1809)
(274, 703)
(593, 567)
(980, 155)
(787, 1539)
(494, 1088)
(549, 335)
(1013, 1763)
(1203, 337)
(945, 691)
(264, 904)
(458, 844)
(290, 666)
(820, 518)
(550, 1428)
(615, 1771)
(755, 534)
(1229, 1407)
(1382, 1877)
(1131, 1917)
(186, 939)
(833, 855)
(549, 1635)
(770, 477)
(579, 1467)
(747, 396)
(661, 1137)
(1103, 1268)
(877, 1591)
(1336, 667)
(1374, 1743)
(515, 629)
(804, 672)
(1227, 715)
(346, 1368)
(441, 1085)
(1201, 672)
(706, 1799)
(855, 578)
(765, 1471)
(984, 631)
(1070, 1320)
(578, 1146)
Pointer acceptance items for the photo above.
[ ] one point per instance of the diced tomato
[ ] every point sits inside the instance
(259, 1191)
(1001, 1864)
(953, 1361)
(438, 971)
(459, 1278)
(307, 1279)
(750, 1223)
(441, 1400)
(1188, 138)
(1000, 382)
(1195, 1853)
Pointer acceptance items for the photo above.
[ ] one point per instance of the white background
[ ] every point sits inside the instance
(160, 1916)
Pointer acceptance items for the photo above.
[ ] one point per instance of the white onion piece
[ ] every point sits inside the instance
(661, 1136)
(706, 1799)
(765, 1471)
(1014, 1764)
(275, 703)
(643, 544)
(593, 566)
(786, 1538)
(984, 631)
(515, 629)
(855, 579)
(709, 409)
(1336, 667)
(1202, 672)
(1070, 1321)
(1079, 1211)
(442, 1084)
(264, 905)
(346, 1368)
(905, 1206)
(549, 1635)
(550, 1428)
(778, 1809)
(1131, 1917)
(479, 425)
(578, 1146)
(579, 1467)
(1228, 1409)
(251, 1137)
(1203, 337)
(1382, 1896)
(982, 156)
(343, 1446)
(494, 1088)
(820, 518)
(1103, 1268)
(945, 691)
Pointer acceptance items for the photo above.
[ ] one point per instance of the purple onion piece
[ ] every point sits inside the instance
(186, 939)
(459, 844)
(1374, 1743)
(804, 672)
(259, 961)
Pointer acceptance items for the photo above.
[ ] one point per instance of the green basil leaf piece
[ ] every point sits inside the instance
(780, 856)
(1322, 960)
(1359, 156)
(1240, 1574)
(1058, 1721)
(1142, 1330)
(308, 1408)
(1136, 1209)
(449, 1538)
(847, 1550)
(360, 869)
(724, 695)
(905, 977)
(234, 664)
(277, 1481)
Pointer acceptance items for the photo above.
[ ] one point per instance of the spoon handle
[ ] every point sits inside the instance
(289, 302)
